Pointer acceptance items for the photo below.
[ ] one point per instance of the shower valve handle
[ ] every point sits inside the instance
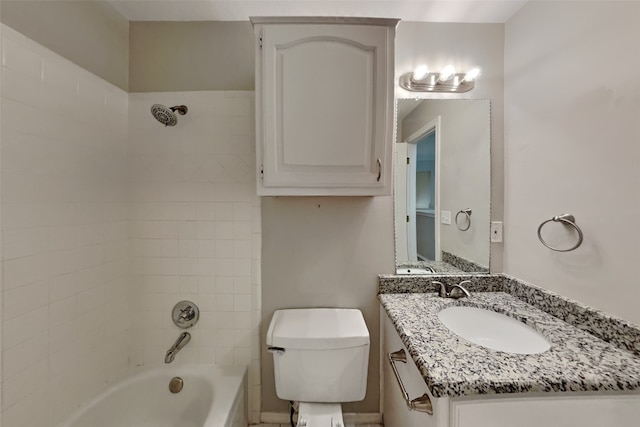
(187, 313)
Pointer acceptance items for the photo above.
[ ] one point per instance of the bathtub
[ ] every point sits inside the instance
(211, 397)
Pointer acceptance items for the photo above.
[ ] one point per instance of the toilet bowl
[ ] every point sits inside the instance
(321, 358)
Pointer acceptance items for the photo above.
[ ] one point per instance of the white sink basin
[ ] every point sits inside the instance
(493, 330)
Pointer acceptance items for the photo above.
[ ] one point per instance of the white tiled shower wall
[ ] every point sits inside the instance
(108, 219)
(195, 230)
(65, 323)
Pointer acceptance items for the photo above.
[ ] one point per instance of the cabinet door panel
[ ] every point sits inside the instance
(560, 411)
(325, 105)
(312, 130)
(396, 412)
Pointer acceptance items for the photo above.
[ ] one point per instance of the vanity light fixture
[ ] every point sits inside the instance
(446, 73)
(420, 72)
(471, 75)
(447, 80)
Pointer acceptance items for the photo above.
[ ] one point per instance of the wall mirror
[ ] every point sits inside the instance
(442, 186)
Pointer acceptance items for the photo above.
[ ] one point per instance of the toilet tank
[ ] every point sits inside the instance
(319, 354)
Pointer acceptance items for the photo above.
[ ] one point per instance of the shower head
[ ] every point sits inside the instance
(167, 116)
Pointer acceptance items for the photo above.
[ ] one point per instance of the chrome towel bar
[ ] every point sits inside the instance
(567, 219)
(420, 404)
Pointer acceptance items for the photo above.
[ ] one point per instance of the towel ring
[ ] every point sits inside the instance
(565, 219)
(467, 213)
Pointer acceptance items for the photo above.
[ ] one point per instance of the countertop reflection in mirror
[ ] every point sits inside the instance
(442, 185)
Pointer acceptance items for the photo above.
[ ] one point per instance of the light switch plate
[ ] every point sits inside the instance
(445, 217)
(496, 231)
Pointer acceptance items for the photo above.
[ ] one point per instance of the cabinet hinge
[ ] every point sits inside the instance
(407, 218)
(408, 160)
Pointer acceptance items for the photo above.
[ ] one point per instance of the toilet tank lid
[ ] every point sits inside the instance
(317, 328)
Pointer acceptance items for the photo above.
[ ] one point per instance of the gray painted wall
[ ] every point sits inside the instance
(184, 56)
(89, 33)
(573, 147)
(316, 251)
(329, 251)
(325, 252)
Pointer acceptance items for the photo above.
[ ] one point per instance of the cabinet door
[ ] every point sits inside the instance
(395, 411)
(326, 108)
(549, 410)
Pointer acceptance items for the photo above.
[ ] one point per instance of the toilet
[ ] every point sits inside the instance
(320, 358)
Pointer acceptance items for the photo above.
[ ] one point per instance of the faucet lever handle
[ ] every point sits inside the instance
(443, 288)
(459, 291)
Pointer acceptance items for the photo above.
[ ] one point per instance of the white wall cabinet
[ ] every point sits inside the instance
(498, 410)
(324, 105)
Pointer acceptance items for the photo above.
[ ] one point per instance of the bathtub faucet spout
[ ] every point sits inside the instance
(182, 340)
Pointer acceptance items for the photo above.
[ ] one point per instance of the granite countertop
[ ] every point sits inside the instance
(438, 266)
(452, 366)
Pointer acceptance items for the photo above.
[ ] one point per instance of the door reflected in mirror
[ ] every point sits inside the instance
(442, 186)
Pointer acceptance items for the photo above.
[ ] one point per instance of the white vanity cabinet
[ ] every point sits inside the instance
(395, 411)
(324, 105)
(584, 409)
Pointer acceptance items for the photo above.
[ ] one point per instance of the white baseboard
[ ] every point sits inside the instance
(349, 418)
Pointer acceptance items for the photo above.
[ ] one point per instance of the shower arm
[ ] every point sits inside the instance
(181, 109)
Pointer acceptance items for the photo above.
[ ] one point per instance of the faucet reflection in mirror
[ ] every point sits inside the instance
(421, 80)
(451, 174)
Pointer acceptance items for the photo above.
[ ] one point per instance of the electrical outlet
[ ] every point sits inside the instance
(496, 231)
(445, 217)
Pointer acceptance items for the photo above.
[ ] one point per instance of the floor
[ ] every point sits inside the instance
(288, 425)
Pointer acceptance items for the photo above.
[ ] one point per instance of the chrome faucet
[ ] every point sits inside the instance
(457, 291)
(182, 340)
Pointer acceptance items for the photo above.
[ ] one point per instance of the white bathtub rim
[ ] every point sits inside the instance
(223, 378)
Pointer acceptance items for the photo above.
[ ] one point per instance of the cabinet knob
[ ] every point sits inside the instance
(379, 169)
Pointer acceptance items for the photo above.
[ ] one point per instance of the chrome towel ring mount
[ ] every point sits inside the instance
(566, 219)
(467, 215)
